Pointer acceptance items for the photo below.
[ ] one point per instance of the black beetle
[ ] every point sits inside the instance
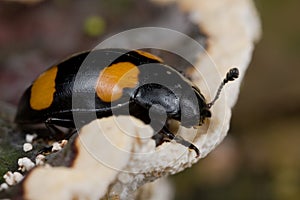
(117, 82)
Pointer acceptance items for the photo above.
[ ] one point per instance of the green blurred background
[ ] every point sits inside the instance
(258, 160)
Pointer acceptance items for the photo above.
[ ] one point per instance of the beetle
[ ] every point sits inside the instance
(115, 82)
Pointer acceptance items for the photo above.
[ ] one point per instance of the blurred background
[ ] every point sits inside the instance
(258, 160)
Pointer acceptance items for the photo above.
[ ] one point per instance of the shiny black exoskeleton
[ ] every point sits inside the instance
(108, 82)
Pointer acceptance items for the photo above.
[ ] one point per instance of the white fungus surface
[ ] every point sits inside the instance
(116, 155)
(27, 147)
(25, 164)
(12, 178)
(30, 137)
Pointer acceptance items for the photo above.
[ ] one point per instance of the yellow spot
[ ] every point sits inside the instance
(113, 79)
(149, 55)
(43, 89)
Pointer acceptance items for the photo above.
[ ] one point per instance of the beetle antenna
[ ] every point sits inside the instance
(230, 76)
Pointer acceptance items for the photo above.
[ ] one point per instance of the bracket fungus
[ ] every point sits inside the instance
(114, 156)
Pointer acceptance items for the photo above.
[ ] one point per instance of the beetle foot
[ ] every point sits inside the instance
(191, 146)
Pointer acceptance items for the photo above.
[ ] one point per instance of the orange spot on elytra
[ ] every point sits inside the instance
(113, 79)
(149, 55)
(43, 89)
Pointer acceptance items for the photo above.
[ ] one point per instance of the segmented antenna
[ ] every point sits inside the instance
(230, 76)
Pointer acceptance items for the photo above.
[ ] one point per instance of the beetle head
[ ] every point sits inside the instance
(193, 108)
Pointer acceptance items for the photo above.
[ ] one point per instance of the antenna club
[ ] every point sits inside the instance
(230, 76)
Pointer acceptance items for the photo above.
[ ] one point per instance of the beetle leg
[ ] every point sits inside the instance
(60, 122)
(160, 138)
(179, 140)
(52, 125)
(182, 141)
